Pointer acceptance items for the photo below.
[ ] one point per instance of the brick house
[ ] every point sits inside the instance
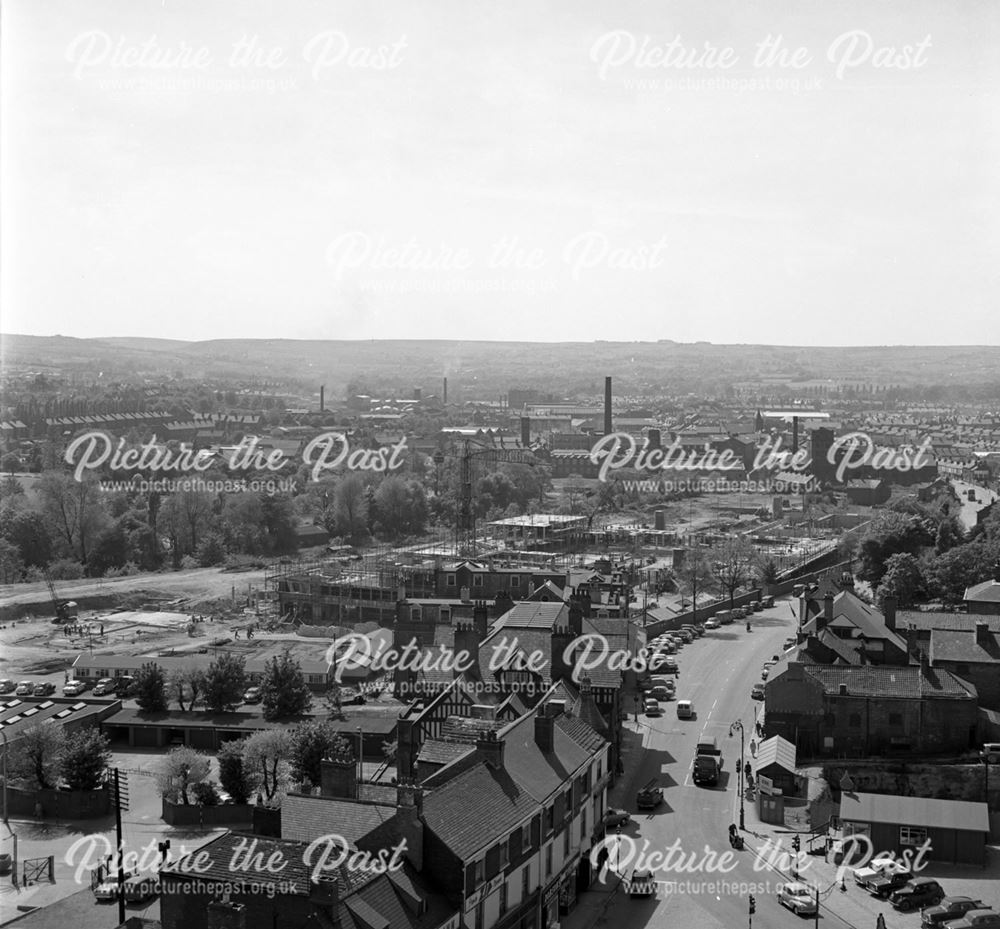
(866, 710)
(983, 598)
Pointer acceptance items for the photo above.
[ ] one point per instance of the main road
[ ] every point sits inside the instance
(717, 673)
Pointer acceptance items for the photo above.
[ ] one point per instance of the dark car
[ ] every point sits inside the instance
(884, 885)
(920, 892)
(124, 686)
(948, 909)
(44, 689)
(614, 818)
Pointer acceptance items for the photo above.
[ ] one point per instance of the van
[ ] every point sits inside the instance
(725, 617)
(707, 745)
(685, 709)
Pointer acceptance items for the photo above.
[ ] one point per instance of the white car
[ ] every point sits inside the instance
(877, 866)
(798, 897)
(712, 623)
(74, 688)
(107, 891)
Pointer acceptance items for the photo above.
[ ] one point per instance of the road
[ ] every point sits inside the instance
(717, 674)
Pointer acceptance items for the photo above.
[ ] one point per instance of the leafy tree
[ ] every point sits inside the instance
(950, 574)
(111, 549)
(11, 566)
(225, 682)
(28, 531)
(181, 769)
(902, 580)
(949, 534)
(310, 743)
(187, 684)
(890, 534)
(401, 507)
(205, 794)
(284, 689)
(333, 702)
(264, 761)
(37, 757)
(151, 688)
(211, 551)
(733, 562)
(73, 510)
(85, 758)
(232, 773)
(694, 573)
(767, 572)
(351, 509)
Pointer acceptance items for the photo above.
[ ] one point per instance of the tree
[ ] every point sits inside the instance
(767, 572)
(37, 756)
(310, 743)
(151, 688)
(401, 507)
(350, 508)
(889, 534)
(11, 565)
(694, 573)
(284, 690)
(949, 534)
(73, 510)
(205, 794)
(211, 550)
(333, 702)
(28, 531)
(902, 579)
(85, 758)
(187, 684)
(264, 761)
(232, 774)
(733, 562)
(950, 574)
(225, 682)
(181, 769)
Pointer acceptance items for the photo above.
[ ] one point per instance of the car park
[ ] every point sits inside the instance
(614, 818)
(253, 695)
(798, 897)
(757, 692)
(7, 686)
(920, 892)
(886, 884)
(641, 884)
(104, 687)
(44, 689)
(24, 688)
(976, 919)
(73, 688)
(949, 909)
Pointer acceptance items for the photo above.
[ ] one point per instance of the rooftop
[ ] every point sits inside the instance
(918, 811)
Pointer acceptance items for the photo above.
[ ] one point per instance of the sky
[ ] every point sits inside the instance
(527, 170)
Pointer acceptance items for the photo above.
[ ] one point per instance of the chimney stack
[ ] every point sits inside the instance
(466, 646)
(480, 619)
(409, 807)
(889, 612)
(828, 607)
(339, 779)
(607, 406)
(490, 748)
(911, 639)
(322, 398)
(982, 634)
(324, 894)
(224, 914)
(544, 730)
(525, 431)
(653, 437)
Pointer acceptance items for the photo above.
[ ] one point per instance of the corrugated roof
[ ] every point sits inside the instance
(915, 811)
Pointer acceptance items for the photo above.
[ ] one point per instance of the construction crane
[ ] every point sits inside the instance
(465, 530)
(65, 609)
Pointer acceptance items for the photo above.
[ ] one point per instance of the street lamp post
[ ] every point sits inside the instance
(738, 724)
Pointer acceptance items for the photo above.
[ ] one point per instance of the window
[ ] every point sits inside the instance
(479, 915)
(477, 580)
(566, 844)
(503, 898)
(599, 762)
(504, 853)
(525, 837)
(478, 877)
(548, 861)
(525, 882)
(569, 802)
(583, 825)
(895, 719)
(912, 835)
(449, 580)
(550, 818)
(854, 720)
(515, 580)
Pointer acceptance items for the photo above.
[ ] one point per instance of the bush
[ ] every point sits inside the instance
(65, 569)
(204, 794)
(188, 562)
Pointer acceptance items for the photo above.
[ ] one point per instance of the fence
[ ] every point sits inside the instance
(235, 814)
(59, 804)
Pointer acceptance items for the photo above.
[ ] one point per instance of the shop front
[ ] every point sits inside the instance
(559, 895)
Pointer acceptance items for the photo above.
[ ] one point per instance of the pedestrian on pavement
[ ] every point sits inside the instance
(753, 750)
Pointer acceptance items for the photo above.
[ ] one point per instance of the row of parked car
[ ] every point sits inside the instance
(27, 688)
(889, 879)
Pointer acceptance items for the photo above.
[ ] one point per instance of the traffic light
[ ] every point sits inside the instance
(753, 905)
(796, 843)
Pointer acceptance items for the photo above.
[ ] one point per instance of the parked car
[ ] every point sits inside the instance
(7, 686)
(950, 908)
(757, 606)
(875, 868)
(44, 689)
(659, 692)
(920, 892)
(886, 884)
(641, 884)
(798, 897)
(614, 818)
(651, 707)
(124, 685)
(976, 919)
(650, 796)
(104, 687)
(712, 623)
(685, 709)
(991, 752)
(725, 617)
(757, 693)
(106, 891)
(73, 688)
(24, 688)
(253, 695)
(140, 887)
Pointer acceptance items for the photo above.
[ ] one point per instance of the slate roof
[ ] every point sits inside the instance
(305, 818)
(912, 682)
(436, 751)
(850, 611)
(910, 811)
(987, 592)
(467, 729)
(944, 620)
(531, 614)
(962, 645)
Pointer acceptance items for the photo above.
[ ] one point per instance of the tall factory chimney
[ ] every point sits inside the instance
(607, 406)
(322, 397)
(444, 398)
(795, 433)
(525, 431)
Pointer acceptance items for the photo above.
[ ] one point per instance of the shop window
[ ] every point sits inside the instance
(912, 835)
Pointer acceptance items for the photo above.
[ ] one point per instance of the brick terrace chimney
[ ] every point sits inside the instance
(544, 730)
(889, 611)
(409, 807)
(491, 749)
(480, 618)
(339, 779)
(607, 406)
(526, 431)
(466, 646)
(982, 634)
(324, 894)
(828, 607)
(224, 914)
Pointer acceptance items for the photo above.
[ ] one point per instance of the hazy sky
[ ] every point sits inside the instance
(506, 170)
